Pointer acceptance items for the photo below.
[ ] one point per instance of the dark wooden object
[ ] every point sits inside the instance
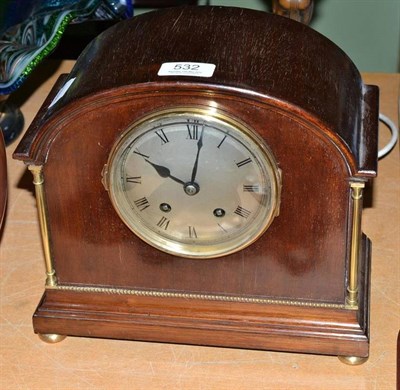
(78, 35)
(3, 179)
(162, 3)
(288, 290)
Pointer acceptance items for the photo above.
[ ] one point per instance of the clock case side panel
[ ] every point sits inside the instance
(367, 141)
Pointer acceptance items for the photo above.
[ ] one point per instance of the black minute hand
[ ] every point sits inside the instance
(164, 172)
(199, 146)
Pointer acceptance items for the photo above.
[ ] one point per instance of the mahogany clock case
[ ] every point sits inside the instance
(288, 290)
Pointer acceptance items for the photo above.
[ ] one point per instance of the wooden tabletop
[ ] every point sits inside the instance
(28, 363)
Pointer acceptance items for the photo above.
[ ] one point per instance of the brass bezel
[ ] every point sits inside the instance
(210, 114)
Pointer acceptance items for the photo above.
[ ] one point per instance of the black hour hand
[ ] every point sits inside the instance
(164, 172)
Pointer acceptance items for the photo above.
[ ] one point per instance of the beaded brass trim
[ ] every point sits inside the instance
(207, 297)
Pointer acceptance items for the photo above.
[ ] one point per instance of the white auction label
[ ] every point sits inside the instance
(197, 69)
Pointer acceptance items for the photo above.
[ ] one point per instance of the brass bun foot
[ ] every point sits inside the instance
(353, 360)
(51, 338)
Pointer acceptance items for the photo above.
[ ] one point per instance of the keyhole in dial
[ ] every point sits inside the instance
(165, 207)
(219, 212)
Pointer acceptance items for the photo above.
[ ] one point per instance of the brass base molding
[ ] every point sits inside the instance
(207, 297)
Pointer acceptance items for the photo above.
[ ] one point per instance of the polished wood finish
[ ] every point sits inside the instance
(288, 83)
(286, 62)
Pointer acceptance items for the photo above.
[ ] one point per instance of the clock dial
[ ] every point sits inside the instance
(193, 183)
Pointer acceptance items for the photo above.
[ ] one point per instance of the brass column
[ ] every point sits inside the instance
(37, 172)
(352, 288)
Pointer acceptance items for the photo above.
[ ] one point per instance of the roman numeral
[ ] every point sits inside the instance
(219, 145)
(251, 188)
(136, 151)
(192, 232)
(193, 130)
(142, 203)
(243, 162)
(134, 179)
(242, 212)
(162, 136)
(163, 223)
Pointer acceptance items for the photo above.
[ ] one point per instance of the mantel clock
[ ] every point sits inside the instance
(199, 178)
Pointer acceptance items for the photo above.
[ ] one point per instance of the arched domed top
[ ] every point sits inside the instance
(260, 53)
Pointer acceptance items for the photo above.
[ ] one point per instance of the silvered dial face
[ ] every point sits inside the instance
(193, 184)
